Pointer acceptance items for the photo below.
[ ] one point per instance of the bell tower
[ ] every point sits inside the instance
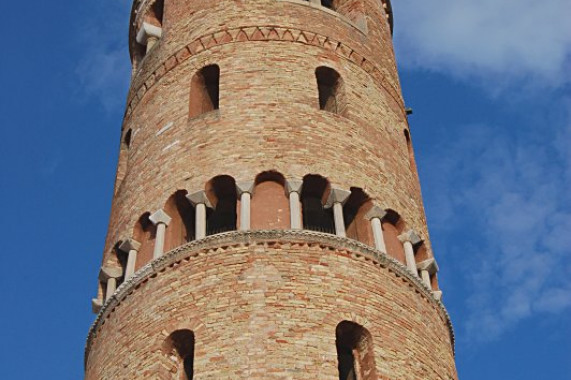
(267, 221)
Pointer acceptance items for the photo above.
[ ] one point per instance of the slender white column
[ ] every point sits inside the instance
(132, 247)
(338, 219)
(200, 222)
(200, 202)
(425, 278)
(377, 227)
(408, 239)
(109, 276)
(427, 268)
(337, 198)
(111, 287)
(161, 220)
(294, 189)
(151, 41)
(376, 215)
(245, 191)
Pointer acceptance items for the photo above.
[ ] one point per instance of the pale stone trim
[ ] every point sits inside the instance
(376, 215)
(200, 202)
(161, 220)
(245, 190)
(132, 247)
(149, 35)
(293, 188)
(408, 239)
(337, 198)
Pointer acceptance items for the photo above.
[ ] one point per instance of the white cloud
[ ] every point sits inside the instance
(505, 41)
(103, 70)
(513, 195)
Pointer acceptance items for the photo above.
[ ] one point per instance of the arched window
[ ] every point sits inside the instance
(393, 226)
(316, 217)
(270, 205)
(328, 4)
(144, 233)
(123, 164)
(121, 258)
(205, 90)
(181, 227)
(156, 13)
(355, 355)
(330, 88)
(179, 346)
(354, 211)
(354, 10)
(223, 196)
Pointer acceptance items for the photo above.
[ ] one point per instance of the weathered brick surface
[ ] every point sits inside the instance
(263, 311)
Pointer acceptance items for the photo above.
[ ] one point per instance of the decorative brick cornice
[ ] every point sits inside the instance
(260, 33)
(228, 240)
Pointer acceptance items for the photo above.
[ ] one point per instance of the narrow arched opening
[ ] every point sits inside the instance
(144, 232)
(314, 192)
(179, 346)
(270, 204)
(410, 151)
(355, 354)
(330, 89)
(205, 90)
(393, 226)
(181, 228)
(354, 211)
(223, 196)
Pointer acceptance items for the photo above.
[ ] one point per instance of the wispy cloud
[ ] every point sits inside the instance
(514, 191)
(509, 41)
(104, 69)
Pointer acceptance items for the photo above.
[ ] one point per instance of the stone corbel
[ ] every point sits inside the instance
(376, 215)
(132, 248)
(293, 189)
(96, 305)
(337, 199)
(200, 202)
(149, 35)
(409, 239)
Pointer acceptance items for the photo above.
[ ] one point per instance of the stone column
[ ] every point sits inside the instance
(161, 220)
(376, 215)
(427, 268)
(149, 35)
(293, 187)
(132, 247)
(337, 199)
(109, 276)
(245, 192)
(408, 239)
(200, 202)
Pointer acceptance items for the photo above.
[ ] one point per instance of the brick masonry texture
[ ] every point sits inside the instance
(269, 310)
(258, 309)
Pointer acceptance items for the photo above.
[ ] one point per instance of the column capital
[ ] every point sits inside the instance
(428, 265)
(96, 305)
(199, 198)
(437, 294)
(245, 187)
(160, 216)
(294, 185)
(375, 212)
(107, 272)
(148, 31)
(410, 236)
(337, 196)
(129, 245)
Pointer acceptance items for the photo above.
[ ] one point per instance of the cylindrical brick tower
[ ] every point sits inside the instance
(267, 220)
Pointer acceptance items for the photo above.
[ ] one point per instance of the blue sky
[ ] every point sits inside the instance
(490, 87)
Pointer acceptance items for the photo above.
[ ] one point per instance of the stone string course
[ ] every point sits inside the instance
(226, 241)
(260, 33)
